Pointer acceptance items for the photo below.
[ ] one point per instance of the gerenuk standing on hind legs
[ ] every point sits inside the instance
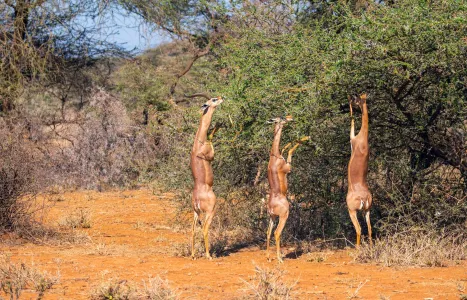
(278, 168)
(358, 195)
(202, 154)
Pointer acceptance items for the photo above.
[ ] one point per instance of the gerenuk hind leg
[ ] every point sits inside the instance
(193, 227)
(207, 223)
(268, 237)
(368, 223)
(277, 235)
(358, 229)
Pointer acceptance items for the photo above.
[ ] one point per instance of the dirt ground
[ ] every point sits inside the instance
(134, 234)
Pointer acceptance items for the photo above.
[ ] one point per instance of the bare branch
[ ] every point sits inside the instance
(198, 95)
(188, 67)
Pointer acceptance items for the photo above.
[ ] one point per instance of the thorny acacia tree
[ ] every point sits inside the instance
(51, 42)
(199, 23)
(410, 56)
(302, 58)
(305, 58)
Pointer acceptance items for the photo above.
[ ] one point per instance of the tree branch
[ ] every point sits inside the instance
(397, 98)
(197, 55)
(435, 115)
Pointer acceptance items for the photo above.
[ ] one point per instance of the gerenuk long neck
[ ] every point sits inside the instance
(202, 133)
(277, 140)
(364, 129)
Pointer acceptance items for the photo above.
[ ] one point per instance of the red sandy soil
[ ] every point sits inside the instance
(134, 234)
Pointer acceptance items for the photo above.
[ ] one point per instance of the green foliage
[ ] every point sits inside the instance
(410, 57)
(144, 82)
(193, 20)
(274, 61)
(269, 59)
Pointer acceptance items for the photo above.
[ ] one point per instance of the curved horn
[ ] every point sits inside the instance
(198, 95)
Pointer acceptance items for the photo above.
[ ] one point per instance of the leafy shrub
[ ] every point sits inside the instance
(417, 170)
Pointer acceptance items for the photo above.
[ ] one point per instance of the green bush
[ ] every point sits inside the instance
(410, 57)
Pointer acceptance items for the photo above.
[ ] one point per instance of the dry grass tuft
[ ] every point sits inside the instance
(80, 218)
(158, 289)
(354, 294)
(424, 248)
(40, 234)
(155, 288)
(269, 285)
(114, 290)
(317, 256)
(184, 249)
(103, 249)
(15, 278)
